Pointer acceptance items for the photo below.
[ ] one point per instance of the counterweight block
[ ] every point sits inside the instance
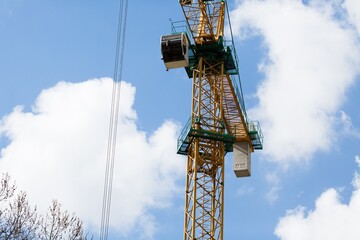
(242, 159)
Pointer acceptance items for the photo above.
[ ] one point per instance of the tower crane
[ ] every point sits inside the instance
(218, 122)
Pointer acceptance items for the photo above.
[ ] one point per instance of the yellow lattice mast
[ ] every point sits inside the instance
(218, 122)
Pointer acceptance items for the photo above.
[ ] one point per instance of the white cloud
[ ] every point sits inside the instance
(353, 8)
(58, 150)
(272, 194)
(356, 180)
(348, 126)
(357, 160)
(272, 178)
(331, 219)
(311, 61)
(244, 190)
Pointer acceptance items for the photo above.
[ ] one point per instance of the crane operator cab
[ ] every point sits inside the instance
(175, 50)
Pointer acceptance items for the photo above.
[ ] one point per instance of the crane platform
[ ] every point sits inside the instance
(188, 134)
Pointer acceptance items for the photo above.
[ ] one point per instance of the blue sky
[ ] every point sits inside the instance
(299, 63)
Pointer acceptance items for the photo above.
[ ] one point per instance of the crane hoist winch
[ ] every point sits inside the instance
(218, 123)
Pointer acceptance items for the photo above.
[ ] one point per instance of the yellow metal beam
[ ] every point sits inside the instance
(215, 110)
(205, 19)
(205, 164)
(234, 119)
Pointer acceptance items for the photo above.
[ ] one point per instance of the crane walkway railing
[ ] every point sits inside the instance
(189, 133)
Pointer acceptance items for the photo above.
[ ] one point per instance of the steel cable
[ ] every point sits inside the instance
(114, 115)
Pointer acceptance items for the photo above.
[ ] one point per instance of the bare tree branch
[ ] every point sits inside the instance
(58, 224)
(7, 188)
(19, 221)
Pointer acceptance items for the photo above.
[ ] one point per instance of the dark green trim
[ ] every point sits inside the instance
(212, 53)
(185, 141)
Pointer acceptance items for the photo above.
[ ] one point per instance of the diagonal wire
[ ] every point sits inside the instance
(114, 114)
(240, 94)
